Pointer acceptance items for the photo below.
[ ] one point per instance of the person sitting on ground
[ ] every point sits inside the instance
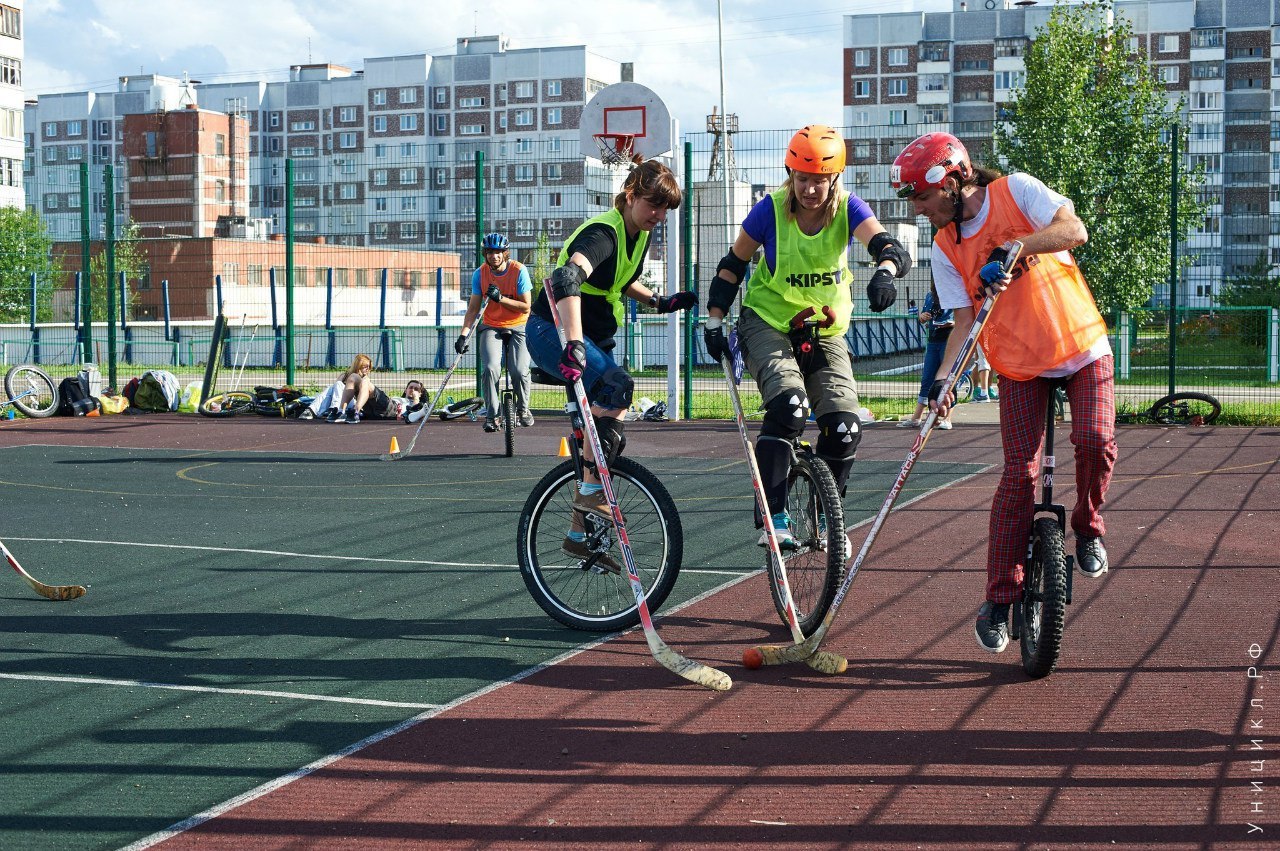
(357, 389)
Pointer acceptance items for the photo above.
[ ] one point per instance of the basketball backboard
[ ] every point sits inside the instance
(626, 109)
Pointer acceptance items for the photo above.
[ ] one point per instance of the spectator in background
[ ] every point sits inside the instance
(939, 323)
(357, 389)
(983, 389)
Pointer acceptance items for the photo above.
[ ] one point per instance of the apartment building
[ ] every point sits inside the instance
(383, 156)
(11, 104)
(955, 71)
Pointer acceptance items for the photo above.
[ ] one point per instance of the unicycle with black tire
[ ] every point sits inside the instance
(585, 592)
(507, 397)
(1039, 617)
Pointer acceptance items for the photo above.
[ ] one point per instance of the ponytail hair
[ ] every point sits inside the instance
(653, 182)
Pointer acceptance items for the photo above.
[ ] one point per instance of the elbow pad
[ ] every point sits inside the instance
(567, 280)
(883, 247)
(734, 266)
(721, 294)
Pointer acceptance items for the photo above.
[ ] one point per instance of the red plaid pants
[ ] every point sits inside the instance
(1091, 392)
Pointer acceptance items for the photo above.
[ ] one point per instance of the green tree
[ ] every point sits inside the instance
(542, 263)
(1094, 123)
(131, 259)
(25, 247)
(1256, 287)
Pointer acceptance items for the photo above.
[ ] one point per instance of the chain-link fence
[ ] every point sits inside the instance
(337, 245)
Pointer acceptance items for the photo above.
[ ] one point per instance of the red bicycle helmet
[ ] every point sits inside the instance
(927, 161)
(816, 149)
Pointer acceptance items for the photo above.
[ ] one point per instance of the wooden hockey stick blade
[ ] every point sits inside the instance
(50, 592)
(774, 654)
(694, 672)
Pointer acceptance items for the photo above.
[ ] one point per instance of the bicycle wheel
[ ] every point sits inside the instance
(226, 404)
(816, 568)
(1185, 409)
(595, 598)
(32, 391)
(1044, 599)
(509, 424)
(465, 408)
(964, 387)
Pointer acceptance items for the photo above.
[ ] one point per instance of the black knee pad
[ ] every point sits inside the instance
(612, 440)
(839, 434)
(773, 457)
(785, 416)
(614, 389)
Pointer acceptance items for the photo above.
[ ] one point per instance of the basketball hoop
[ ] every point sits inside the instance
(616, 149)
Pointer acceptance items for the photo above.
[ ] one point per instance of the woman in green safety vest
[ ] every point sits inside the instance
(600, 263)
(805, 228)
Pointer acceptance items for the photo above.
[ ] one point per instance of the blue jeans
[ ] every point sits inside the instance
(544, 348)
(932, 361)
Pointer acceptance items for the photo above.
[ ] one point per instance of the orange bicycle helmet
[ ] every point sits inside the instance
(816, 149)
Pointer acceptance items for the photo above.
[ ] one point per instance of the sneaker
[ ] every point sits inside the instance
(331, 415)
(414, 416)
(490, 425)
(594, 504)
(578, 550)
(781, 528)
(526, 419)
(353, 417)
(994, 394)
(992, 628)
(979, 396)
(908, 423)
(340, 418)
(1092, 557)
(822, 536)
(945, 425)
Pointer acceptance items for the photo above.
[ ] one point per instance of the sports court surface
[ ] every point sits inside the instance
(288, 643)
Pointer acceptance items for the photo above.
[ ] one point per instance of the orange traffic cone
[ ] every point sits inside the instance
(564, 448)
(395, 446)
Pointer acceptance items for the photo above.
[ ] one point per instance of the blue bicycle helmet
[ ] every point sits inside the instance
(495, 242)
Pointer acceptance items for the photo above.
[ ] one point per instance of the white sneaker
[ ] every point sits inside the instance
(908, 423)
(414, 416)
(945, 425)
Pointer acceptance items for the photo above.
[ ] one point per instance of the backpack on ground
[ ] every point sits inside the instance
(158, 391)
(73, 400)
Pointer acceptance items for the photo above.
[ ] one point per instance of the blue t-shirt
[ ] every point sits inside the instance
(523, 285)
(759, 224)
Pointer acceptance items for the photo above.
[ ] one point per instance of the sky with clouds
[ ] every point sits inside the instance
(782, 58)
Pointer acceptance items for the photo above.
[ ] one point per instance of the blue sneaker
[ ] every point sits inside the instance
(781, 528)
(979, 396)
(995, 394)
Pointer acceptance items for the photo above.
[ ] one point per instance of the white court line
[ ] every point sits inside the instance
(212, 690)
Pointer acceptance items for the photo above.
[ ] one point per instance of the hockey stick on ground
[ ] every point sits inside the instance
(696, 672)
(396, 456)
(775, 655)
(821, 660)
(52, 592)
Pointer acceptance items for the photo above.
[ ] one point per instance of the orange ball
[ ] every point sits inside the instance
(752, 658)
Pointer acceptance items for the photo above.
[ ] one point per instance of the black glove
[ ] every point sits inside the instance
(682, 300)
(881, 292)
(460, 345)
(494, 293)
(573, 360)
(992, 271)
(717, 345)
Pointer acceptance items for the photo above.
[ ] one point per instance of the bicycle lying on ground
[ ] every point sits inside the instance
(1179, 409)
(31, 391)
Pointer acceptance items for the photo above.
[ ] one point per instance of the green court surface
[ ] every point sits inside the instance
(250, 613)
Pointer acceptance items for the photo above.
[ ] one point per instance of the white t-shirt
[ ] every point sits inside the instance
(1039, 204)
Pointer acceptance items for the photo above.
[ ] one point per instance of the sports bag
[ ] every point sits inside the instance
(158, 391)
(72, 400)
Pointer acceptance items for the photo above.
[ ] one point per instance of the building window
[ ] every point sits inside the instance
(862, 58)
(935, 51)
(553, 116)
(379, 205)
(524, 117)
(471, 103)
(555, 199)
(974, 65)
(51, 130)
(379, 151)
(524, 201)
(524, 173)
(1168, 44)
(524, 146)
(898, 87)
(301, 126)
(470, 129)
(1211, 71)
(524, 90)
(346, 140)
(379, 230)
(273, 144)
(502, 120)
(1011, 46)
(408, 149)
(409, 121)
(348, 219)
(75, 128)
(347, 114)
(408, 94)
(303, 150)
(50, 156)
(442, 123)
(1245, 53)
(75, 153)
(220, 191)
(554, 226)
(466, 183)
(408, 230)
(553, 88)
(409, 204)
(897, 117)
(380, 98)
(524, 227)
(1167, 73)
(971, 96)
(379, 177)
(10, 22)
(553, 145)
(347, 191)
(862, 88)
(408, 176)
(898, 56)
(1010, 79)
(442, 177)
(10, 71)
(555, 171)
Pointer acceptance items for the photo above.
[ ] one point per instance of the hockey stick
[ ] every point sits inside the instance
(244, 361)
(52, 592)
(396, 456)
(775, 655)
(821, 660)
(696, 672)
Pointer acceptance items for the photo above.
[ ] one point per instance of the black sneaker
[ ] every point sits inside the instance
(491, 425)
(579, 550)
(331, 415)
(992, 628)
(1092, 557)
